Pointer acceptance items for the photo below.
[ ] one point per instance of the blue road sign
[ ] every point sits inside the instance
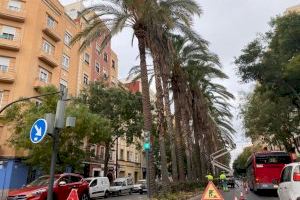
(38, 131)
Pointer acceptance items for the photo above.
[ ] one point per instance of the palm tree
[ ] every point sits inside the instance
(142, 16)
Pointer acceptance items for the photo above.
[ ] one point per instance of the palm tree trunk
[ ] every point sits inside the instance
(140, 33)
(179, 146)
(161, 128)
(169, 120)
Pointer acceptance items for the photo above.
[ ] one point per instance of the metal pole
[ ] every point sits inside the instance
(117, 151)
(53, 163)
(58, 124)
(147, 173)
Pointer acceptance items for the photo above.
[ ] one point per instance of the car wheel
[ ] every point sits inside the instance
(119, 193)
(130, 191)
(85, 196)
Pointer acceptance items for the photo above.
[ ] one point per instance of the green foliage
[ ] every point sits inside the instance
(240, 163)
(122, 108)
(273, 61)
(21, 117)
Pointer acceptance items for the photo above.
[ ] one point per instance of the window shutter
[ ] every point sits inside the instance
(4, 61)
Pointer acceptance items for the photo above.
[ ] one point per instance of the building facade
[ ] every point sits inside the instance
(35, 51)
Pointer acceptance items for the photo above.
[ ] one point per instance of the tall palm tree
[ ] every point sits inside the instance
(142, 16)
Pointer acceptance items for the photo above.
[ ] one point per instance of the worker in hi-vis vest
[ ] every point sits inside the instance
(223, 180)
(209, 177)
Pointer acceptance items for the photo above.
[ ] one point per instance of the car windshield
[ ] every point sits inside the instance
(117, 183)
(41, 181)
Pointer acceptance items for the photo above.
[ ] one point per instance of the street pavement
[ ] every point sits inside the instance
(230, 195)
(236, 192)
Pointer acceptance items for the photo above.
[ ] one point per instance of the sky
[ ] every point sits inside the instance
(229, 25)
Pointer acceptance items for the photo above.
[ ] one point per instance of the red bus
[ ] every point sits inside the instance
(264, 169)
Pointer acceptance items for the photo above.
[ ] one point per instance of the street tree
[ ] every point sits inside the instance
(71, 146)
(122, 110)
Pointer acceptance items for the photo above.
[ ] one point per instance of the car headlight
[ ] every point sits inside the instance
(36, 193)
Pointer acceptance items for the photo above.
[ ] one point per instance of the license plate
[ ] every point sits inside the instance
(275, 186)
(264, 185)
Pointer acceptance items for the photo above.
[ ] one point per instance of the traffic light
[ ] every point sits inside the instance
(147, 145)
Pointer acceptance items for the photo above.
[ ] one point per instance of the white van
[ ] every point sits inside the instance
(98, 187)
(121, 186)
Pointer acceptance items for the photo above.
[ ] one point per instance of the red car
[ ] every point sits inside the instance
(63, 184)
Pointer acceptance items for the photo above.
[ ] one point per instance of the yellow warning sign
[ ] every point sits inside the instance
(211, 193)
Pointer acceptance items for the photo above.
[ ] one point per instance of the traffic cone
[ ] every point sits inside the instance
(235, 198)
(246, 190)
(242, 196)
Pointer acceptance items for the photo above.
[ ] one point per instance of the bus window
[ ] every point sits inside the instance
(273, 160)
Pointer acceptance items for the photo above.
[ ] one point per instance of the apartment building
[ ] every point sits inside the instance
(292, 9)
(35, 51)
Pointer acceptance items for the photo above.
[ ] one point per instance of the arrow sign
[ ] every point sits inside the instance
(38, 131)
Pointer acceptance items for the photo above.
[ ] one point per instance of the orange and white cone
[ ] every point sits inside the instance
(242, 196)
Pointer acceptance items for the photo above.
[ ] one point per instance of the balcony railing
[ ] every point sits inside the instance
(7, 74)
(51, 32)
(11, 13)
(9, 42)
(38, 83)
(48, 58)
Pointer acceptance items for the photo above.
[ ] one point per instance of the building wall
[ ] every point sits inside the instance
(293, 9)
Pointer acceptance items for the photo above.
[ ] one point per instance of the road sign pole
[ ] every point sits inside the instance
(58, 124)
(53, 162)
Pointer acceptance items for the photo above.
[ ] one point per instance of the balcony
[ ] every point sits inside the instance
(12, 13)
(7, 76)
(8, 43)
(51, 32)
(49, 59)
(38, 84)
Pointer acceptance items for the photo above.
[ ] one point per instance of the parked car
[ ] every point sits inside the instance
(99, 187)
(144, 188)
(231, 181)
(138, 186)
(289, 186)
(121, 186)
(63, 184)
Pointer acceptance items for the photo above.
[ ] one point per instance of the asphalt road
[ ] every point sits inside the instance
(235, 193)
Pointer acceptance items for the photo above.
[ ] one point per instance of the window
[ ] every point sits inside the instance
(105, 75)
(102, 152)
(110, 155)
(98, 49)
(122, 154)
(65, 61)
(85, 79)
(63, 85)
(4, 94)
(97, 68)
(105, 57)
(47, 47)
(75, 179)
(50, 22)
(4, 64)
(67, 38)
(93, 183)
(86, 58)
(14, 5)
(113, 64)
(286, 174)
(8, 33)
(130, 156)
(136, 157)
(93, 151)
(44, 75)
